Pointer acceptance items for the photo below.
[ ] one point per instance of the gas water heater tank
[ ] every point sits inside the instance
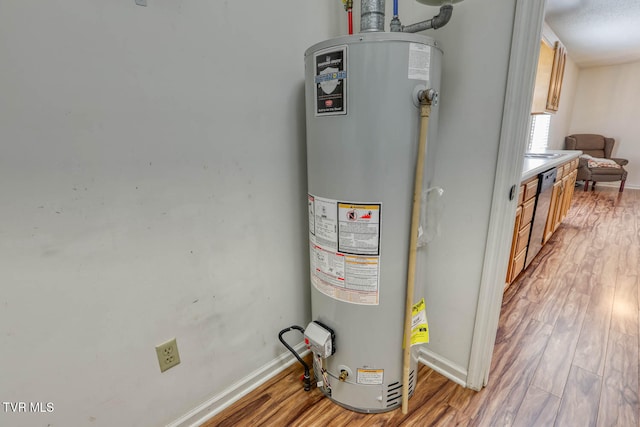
(362, 139)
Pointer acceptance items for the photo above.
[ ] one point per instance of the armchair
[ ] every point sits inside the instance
(598, 147)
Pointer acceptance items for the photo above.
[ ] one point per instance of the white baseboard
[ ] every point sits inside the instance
(615, 185)
(217, 403)
(611, 184)
(441, 365)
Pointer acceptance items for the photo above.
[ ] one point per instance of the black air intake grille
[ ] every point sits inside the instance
(394, 391)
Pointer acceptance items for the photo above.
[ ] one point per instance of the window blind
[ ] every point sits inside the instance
(539, 136)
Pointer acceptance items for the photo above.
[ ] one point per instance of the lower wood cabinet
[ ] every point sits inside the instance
(561, 197)
(522, 228)
(514, 244)
(556, 196)
(560, 204)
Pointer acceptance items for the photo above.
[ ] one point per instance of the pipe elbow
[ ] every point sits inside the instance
(438, 21)
(442, 18)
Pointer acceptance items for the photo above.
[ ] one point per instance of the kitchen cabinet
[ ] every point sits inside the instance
(522, 228)
(552, 219)
(549, 75)
(571, 185)
(514, 244)
(561, 197)
(565, 163)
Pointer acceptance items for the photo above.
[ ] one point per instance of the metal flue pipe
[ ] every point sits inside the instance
(371, 16)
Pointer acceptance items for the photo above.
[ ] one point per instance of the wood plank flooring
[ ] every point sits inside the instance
(566, 350)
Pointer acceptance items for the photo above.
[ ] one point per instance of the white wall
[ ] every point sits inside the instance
(475, 65)
(607, 103)
(153, 179)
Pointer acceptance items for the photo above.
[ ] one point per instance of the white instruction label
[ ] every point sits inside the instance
(328, 266)
(344, 243)
(362, 273)
(370, 376)
(419, 61)
(325, 222)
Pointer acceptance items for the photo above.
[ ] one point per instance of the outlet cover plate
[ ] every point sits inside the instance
(168, 355)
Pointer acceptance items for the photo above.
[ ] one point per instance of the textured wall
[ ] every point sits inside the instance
(607, 103)
(153, 185)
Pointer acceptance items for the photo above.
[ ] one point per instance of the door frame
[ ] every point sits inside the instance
(516, 120)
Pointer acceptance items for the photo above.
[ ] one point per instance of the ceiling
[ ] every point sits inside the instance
(597, 32)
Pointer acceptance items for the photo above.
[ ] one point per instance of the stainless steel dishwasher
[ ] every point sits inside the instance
(545, 189)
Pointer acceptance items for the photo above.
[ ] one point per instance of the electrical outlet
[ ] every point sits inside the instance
(168, 355)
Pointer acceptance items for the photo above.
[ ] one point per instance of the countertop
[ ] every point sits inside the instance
(533, 167)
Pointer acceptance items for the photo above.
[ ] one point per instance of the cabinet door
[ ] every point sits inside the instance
(530, 190)
(543, 79)
(528, 208)
(514, 243)
(521, 195)
(560, 203)
(557, 73)
(523, 238)
(568, 192)
(549, 75)
(550, 226)
(518, 263)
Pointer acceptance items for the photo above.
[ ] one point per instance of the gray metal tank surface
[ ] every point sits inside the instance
(362, 139)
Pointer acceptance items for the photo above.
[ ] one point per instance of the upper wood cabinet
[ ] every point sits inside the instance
(546, 95)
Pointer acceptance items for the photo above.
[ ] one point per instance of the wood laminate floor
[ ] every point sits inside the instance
(566, 350)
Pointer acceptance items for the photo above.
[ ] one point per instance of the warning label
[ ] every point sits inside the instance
(344, 249)
(359, 229)
(419, 325)
(331, 81)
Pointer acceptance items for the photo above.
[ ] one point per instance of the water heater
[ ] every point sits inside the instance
(363, 122)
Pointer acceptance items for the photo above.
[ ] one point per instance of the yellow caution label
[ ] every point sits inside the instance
(419, 325)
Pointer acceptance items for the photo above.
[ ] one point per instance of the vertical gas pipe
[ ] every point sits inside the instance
(425, 97)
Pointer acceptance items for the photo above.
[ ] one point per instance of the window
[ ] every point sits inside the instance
(539, 136)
